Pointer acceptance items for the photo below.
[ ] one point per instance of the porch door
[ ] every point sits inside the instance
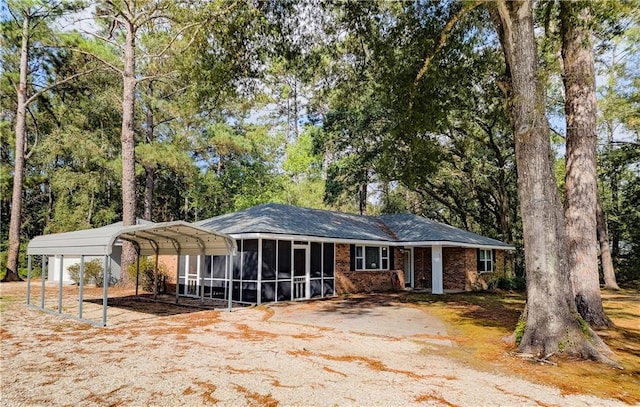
(191, 280)
(301, 273)
(408, 267)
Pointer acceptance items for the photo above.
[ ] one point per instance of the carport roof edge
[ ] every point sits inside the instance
(169, 238)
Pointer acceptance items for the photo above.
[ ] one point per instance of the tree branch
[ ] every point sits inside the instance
(152, 77)
(53, 85)
(175, 37)
(105, 39)
(444, 35)
(102, 60)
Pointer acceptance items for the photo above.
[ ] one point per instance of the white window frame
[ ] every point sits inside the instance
(486, 261)
(360, 256)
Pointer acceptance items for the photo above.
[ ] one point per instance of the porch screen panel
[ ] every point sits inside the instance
(316, 288)
(218, 266)
(328, 260)
(268, 260)
(237, 261)
(328, 287)
(316, 260)
(268, 292)
(284, 290)
(250, 259)
(284, 259)
(249, 292)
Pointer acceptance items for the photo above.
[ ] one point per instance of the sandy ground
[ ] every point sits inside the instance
(366, 351)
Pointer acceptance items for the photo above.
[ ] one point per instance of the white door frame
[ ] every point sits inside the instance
(307, 274)
(408, 252)
(191, 282)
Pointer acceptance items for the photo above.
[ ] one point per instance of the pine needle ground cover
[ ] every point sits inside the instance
(484, 320)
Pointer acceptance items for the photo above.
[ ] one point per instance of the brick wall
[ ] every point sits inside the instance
(458, 268)
(343, 258)
(398, 259)
(348, 281)
(422, 267)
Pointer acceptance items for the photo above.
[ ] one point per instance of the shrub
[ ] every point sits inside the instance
(93, 273)
(508, 283)
(147, 271)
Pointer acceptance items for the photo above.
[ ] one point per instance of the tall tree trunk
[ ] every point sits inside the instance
(149, 170)
(127, 140)
(581, 187)
(552, 322)
(18, 171)
(605, 251)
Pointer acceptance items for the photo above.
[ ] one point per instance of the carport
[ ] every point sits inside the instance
(170, 238)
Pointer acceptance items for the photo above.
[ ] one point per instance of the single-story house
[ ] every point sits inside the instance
(290, 253)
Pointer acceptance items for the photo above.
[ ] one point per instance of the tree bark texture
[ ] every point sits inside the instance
(18, 171)
(581, 189)
(552, 323)
(605, 250)
(127, 140)
(149, 171)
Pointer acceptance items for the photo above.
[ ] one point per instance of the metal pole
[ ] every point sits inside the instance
(137, 272)
(81, 291)
(178, 276)
(106, 276)
(229, 284)
(44, 278)
(60, 285)
(155, 278)
(201, 271)
(29, 280)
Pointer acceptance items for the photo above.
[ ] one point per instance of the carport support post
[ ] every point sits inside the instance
(201, 268)
(44, 278)
(137, 271)
(178, 276)
(155, 278)
(60, 284)
(106, 276)
(29, 280)
(229, 282)
(436, 270)
(81, 293)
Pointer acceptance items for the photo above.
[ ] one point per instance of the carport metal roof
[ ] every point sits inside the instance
(168, 238)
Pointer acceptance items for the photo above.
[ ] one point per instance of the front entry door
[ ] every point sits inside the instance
(408, 268)
(300, 273)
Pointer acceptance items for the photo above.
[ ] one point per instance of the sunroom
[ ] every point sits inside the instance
(264, 270)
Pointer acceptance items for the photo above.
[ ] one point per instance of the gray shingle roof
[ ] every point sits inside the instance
(293, 220)
(413, 228)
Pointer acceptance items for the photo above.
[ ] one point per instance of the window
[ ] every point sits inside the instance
(485, 260)
(372, 258)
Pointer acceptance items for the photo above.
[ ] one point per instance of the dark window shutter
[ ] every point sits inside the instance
(352, 254)
(479, 265)
(392, 265)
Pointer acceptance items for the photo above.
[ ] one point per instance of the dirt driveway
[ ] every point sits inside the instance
(345, 351)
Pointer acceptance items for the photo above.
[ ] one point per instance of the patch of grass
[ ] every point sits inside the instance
(5, 301)
(487, 318)
(520, 326)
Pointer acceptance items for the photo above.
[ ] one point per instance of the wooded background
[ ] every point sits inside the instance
(367, 107)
